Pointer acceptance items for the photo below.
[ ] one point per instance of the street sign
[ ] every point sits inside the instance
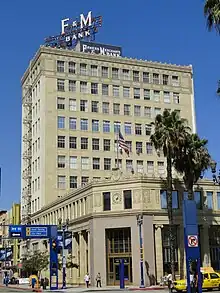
(193, 241)
(36, 231)
(15, 231)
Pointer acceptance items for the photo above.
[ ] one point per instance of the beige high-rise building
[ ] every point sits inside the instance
(73, 104)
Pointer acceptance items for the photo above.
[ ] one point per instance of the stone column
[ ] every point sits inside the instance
(82, 262)
(75, 258)
(205, 249)
(159, 252)
(88, 247)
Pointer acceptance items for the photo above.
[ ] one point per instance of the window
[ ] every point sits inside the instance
(95, 144)
(127, 110)
(72, 85)
(116, 109)
(209, 195)
(61, 85)
(72, 67)
(146, 94)
(176, 98)
(60, 66)
(61, 161)
(146, 77)
(94, 88)
(165, 79)
(129, 165)
(83, 87)
(150, 167)
(138, 129)
(139, 147)
(127, 199)
(84, 180)
(104, 71)
(105, 107)
(140, 166)
(107, 164)
(156, 78)
(105, 89)
(83, 105)
(84, 143)
(61, 182)
(115, 73)
(117, 126)
(127, 128)
(129, 145)
(106, 201)
(118, 163)
(73, 162)
(96, 164)
(115, 90)
(83, 69)
(160, 168)
(84, 124)
(126, 92)
(198, 199)
(72, 104)
(72, 123)
(60, 122)
(95, 106)
(136, 93)
(148, 129)
(125, 74)
(156, 96)
(73, 181)
(95, 125)
(218, 200)
(72, 142)
(163, 199)
(175, 80)
(166, 97)
(107, 144)
(85, 163)
(147, 112)
(149, 148)
(157, 111)
(94, 70)
(136, 76)
(137, 110)
(61, 142)
(106, 126)
(60, 103)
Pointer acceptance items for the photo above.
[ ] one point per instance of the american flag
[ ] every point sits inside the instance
(122, 143)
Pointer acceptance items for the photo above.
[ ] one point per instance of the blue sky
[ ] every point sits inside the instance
(167, 31)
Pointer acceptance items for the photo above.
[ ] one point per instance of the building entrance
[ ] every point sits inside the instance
(118, 247)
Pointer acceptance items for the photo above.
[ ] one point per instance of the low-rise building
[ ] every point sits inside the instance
(103, 218)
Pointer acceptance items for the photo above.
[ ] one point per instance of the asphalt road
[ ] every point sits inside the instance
(5, 289)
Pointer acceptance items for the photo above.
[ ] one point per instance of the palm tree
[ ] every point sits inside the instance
(212, 13)
(192, 160)
(170, 132)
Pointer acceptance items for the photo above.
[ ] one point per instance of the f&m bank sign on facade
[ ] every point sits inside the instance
(82, 31)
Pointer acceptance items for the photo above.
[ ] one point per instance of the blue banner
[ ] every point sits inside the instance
(67, 242)
(6, 254)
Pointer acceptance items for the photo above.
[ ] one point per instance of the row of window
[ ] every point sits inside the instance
(200, 202)
(116, 73)
(107, 164)
(115, 91)
(108, 108)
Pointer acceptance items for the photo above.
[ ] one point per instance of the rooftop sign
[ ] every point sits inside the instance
(85, 27)
(100, 49)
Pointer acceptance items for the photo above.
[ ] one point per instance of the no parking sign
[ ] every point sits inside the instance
(193, 241)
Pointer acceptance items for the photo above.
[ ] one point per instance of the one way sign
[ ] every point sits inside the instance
(193, 241)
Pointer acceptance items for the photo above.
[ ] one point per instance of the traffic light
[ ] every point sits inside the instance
(54, 245)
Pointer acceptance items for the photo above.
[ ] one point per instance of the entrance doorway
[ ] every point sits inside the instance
(118, 247)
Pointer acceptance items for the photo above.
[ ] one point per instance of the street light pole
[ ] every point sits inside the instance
(140, 223)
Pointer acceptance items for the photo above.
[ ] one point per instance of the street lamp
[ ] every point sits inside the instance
(64, 227)
(215, 178)
(140, 223)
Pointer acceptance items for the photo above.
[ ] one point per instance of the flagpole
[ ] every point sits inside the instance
(117, 154)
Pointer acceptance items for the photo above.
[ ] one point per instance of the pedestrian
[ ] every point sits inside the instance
(6, 280)
(98, 280)
(86, 279)
(170, 282)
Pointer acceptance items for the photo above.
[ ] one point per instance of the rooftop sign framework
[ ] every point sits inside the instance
(74, 30)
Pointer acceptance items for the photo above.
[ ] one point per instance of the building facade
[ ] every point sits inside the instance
(102, 216)
(73, 105)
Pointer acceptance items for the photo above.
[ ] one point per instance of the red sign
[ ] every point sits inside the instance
(193, 241)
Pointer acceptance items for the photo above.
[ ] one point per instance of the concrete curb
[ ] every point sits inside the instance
(147, 289)
(21, 289)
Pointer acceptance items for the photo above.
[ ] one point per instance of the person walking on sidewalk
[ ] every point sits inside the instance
(98, 280)
(170, 282)
(87, 278)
